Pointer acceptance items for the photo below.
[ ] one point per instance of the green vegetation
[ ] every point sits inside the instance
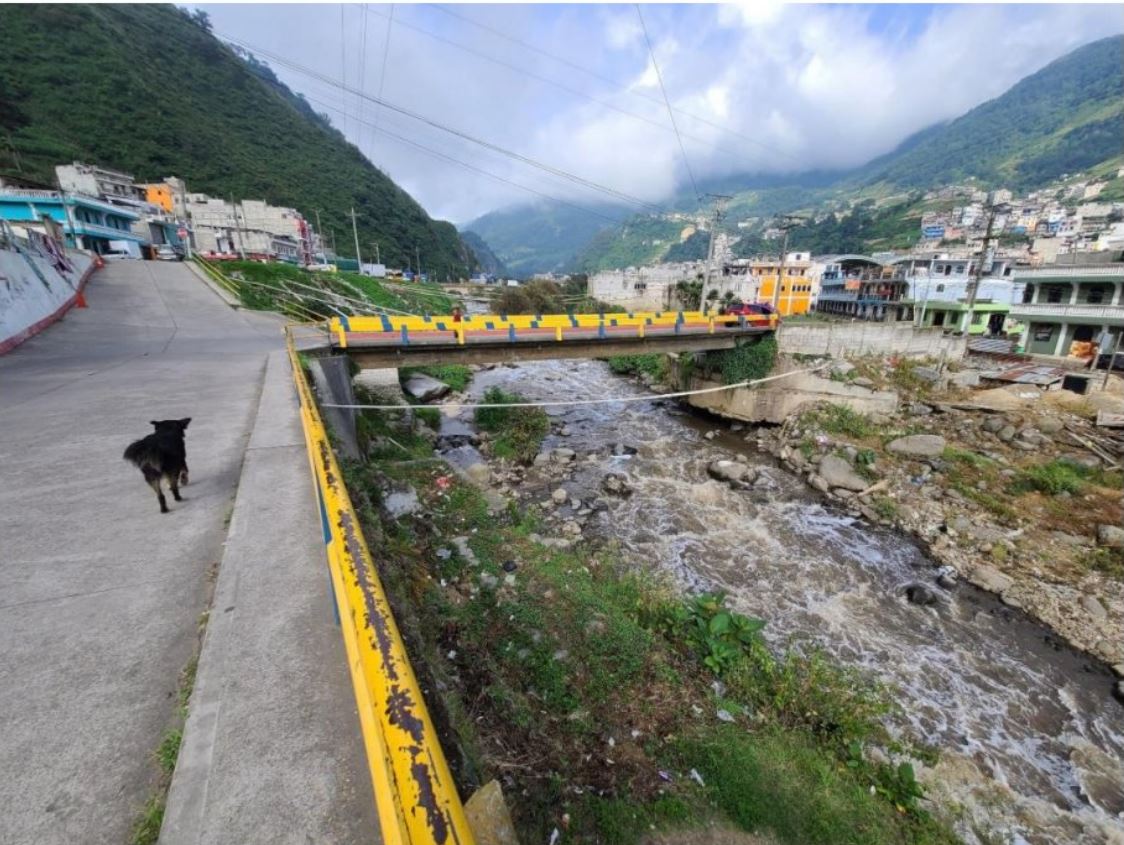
(517, 432)
(588, 688)
(839, 419)
(277, 286)
(486, 259)
(221, 121)
(1053, 478)
(640, 240)
(546, 297)
(1109, 562)
(746, 362)
(654, 365)
(146, 829)
(457, 376)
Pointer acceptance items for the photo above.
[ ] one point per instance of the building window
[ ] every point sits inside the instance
(940, 288)
(1095, 295)
(1054, 293)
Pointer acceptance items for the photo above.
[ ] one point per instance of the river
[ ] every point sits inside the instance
(1032, 742)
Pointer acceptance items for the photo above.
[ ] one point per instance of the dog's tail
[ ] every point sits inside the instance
(142, 454)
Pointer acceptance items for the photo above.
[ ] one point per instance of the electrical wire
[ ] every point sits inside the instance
(556, 403)
(382, 71)
(572, 177)
(615, 83)
(667, 102)
(473, 168)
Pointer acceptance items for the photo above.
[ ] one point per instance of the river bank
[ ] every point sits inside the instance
(1028, 748)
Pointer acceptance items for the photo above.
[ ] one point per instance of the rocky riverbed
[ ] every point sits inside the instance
(875, 554)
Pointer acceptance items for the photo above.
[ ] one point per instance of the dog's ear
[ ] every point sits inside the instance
(155, 423)
(184, 422)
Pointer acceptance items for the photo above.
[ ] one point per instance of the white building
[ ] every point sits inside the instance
(644, 288)
(249, 227)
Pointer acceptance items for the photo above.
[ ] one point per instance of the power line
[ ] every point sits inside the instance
(343, 55)
(382, 131)
(572, 177)
(382, 72)
(667, 102)
(362, 72)
(615, 83)
(524, 73)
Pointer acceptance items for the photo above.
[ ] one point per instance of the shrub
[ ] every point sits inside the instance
(747, 362)
(839, 419)
(518, 431)
(1053, 478)
(654, 365)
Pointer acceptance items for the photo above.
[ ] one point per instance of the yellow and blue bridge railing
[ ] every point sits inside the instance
(395, 330)
(415, 796)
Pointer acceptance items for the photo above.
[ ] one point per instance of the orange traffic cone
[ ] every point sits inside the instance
(80, 300)
(99, 262)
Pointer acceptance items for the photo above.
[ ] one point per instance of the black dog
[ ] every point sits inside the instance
(162, 455)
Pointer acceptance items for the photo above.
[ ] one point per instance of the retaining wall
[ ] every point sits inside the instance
(36, 288)
(776, 401)
(861, 338)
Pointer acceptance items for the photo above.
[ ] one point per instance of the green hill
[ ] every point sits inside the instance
(487, 260)
(1066, 117)
(544, 236)
(148, 89)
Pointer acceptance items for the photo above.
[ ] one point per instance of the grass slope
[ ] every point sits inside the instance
(145, 89)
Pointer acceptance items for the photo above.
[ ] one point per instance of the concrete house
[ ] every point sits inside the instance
(1068, 304)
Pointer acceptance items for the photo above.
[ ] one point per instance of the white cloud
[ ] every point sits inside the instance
(797, 86)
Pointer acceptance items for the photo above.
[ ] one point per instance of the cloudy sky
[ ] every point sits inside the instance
(754, 87)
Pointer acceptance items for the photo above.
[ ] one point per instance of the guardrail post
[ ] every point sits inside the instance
(511, 332)
(712, 325)
(405, 335)
(601, 328)
(459, 332)
(641, 328)
(558, 333)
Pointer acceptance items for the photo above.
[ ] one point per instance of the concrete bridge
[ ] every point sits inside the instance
(386, 341)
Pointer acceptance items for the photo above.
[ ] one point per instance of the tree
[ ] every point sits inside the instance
(201, 19)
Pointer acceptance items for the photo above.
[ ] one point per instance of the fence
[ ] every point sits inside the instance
(416, 799)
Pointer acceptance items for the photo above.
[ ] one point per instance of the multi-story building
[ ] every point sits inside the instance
(245, 228)
(756, 280)
(86, 222)
(938, 288)
(1068, 306)
(92, 180)
(864, 288)
(644, 288)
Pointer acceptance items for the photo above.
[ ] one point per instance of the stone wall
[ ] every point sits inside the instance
(841, 340)
(775, 401)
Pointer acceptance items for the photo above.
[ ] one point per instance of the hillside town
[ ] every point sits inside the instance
(110, 213)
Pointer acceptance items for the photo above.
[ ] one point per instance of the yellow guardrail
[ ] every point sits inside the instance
(556, 324)
(416, 799)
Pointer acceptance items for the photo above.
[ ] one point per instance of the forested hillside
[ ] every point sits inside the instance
(544, 236)
(1066, 117)
(486, 259)
(148, 89)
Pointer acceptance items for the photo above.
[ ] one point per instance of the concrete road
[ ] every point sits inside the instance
(100, 594)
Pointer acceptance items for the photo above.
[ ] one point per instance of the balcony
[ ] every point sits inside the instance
(1071, 271)
(1061, 311)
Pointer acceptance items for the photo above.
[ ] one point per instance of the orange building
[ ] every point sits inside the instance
(159, 193)
(755, 280)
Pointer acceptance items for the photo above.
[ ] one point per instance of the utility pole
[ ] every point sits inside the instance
(355, 232)
(375, 244)
(238, 228)
(974, 285)
(787, 221)
(417, 257)
(720, 201)
(320, 232)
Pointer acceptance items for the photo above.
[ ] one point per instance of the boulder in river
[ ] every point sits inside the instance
(562, 455)
(837, 472)
(918, 446)
(731, 471)
(616, 484)
(622, 449)
(991, 579)
(425, 388)
(920, 594)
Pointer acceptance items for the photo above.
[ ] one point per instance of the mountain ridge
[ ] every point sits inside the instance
(1065, 117)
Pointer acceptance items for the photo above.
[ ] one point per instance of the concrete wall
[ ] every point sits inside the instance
(775, 401)
(33, 291)
(861, 337)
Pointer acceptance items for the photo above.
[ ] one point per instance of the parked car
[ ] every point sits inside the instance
(119, 250)
(747, 308)
(166, 252)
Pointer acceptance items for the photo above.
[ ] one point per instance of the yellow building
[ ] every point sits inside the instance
(755, 280)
